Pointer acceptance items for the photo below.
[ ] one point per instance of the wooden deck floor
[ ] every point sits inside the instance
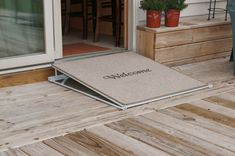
(45, 119)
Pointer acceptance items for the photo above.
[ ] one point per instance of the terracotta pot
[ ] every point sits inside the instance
(172, 18)
(153, 18)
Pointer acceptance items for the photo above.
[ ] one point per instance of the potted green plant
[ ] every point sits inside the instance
(154, 9)
(172, 12)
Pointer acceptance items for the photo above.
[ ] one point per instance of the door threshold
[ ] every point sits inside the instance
(89, 55)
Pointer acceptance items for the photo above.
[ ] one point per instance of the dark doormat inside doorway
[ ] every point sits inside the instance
(81, 48)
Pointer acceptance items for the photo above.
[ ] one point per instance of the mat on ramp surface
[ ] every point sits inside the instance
(123, 80)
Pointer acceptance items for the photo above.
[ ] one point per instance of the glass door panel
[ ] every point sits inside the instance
(26, 33)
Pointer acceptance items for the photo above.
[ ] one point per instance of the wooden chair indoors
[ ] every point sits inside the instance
(116, 7)
(87, 12)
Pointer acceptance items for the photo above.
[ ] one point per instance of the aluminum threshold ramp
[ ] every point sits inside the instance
(123, 80)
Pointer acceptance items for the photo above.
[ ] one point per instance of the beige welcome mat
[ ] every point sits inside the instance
(124, 79)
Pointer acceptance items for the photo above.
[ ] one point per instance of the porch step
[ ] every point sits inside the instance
(25, 77)
(195, 39)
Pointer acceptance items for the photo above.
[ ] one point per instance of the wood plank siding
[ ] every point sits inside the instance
(195, 39)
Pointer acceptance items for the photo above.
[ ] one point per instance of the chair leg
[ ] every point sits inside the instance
(94, 16)
(209, 14)
(114, 14)
(97, 27)
(118, 23)
(226, 11)
(214, 9)
(67, 16)
(85, 19)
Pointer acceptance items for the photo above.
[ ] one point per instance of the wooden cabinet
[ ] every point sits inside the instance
(194, 40)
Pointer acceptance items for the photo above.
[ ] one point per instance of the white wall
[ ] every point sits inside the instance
(195, 7)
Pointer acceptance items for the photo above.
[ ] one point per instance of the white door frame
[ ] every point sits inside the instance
(132, 23)
(35, 59)
(58, 27)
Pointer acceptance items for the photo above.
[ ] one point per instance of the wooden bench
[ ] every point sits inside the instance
(196, 39)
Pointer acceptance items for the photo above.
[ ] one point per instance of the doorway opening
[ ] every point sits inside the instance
(93, 26)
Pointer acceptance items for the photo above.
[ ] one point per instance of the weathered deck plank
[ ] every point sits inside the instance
(201, 121)
(133, 146)
(68, 147)
(43, 111)
(40, 149)
(197, 131)
(215, 108)
(226, 100)
(220, 118)
(97, 144)
(185, 136)
(157, 138)
(15, 152)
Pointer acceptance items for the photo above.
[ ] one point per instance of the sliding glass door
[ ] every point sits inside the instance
(26, 33)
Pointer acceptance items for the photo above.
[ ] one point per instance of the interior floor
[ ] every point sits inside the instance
(75, 36)
(106, 43)
(97, 21)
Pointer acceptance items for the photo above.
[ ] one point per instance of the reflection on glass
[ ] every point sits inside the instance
(21, 27)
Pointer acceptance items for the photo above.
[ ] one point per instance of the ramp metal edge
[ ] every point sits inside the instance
(55, 79)
(169, 96)
(86, 85)
(63, 78)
